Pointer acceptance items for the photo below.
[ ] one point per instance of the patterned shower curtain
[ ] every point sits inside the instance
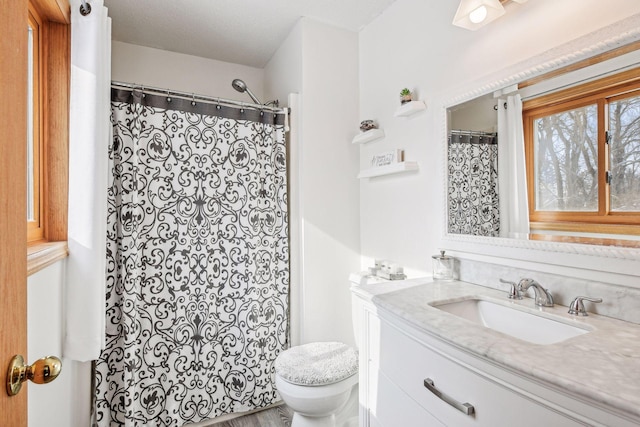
(197, 261)
(473, 184)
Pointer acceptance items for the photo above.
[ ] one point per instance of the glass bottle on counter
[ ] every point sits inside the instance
(442, 267)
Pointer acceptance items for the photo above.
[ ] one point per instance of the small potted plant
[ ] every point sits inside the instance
(405, 96)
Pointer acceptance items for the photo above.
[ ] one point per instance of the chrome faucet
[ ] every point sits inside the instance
(543, 296)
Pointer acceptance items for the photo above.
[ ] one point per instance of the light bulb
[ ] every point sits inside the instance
(478, 15)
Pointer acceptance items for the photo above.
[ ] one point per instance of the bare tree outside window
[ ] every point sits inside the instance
(566, 160)
(624, 131)
(582, 147)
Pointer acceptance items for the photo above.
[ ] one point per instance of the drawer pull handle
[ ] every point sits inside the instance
(465, 408)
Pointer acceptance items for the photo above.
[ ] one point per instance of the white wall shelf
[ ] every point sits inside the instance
(388, 169)
(368, 136)
(410, 108)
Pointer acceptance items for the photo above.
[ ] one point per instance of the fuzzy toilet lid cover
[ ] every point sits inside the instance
(317, 363)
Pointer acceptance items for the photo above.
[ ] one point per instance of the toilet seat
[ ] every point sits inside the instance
(317, 364)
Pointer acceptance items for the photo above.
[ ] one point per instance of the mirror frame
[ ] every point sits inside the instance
(611, 259)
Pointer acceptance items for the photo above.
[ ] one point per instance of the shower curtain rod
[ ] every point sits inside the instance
(472, 133)
(193, 97)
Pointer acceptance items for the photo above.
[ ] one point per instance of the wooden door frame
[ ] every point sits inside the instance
(13, 245)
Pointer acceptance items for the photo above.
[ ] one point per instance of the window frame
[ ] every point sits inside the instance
(50, 244)
(35, 226)
(598, 92)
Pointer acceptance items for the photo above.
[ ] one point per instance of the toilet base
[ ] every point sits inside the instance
(300, 420)
(346, 416)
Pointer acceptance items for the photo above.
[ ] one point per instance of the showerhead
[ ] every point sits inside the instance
(241, 86)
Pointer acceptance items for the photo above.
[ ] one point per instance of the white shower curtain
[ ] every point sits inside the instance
(512, 174)
(88, 154)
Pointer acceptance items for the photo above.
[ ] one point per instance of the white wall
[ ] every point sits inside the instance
(283, 80)
(169, 70)
(328, 166)
(66, 401)
(413, 44)
(479, 115)
(283, 72)
(321, 64)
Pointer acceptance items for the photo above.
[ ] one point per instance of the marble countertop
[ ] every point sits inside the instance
(602, 365)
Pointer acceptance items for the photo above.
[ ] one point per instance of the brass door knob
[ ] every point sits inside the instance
(43, 371)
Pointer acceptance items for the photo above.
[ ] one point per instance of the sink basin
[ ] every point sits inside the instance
(511, 321)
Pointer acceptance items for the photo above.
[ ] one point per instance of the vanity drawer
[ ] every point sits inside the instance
(393, 408)
(408, 362)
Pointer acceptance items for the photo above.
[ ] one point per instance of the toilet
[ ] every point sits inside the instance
(319, 382)
(316, 381)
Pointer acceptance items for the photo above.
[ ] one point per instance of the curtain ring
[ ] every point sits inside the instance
(144, 95)
(218, 104)
(193, 99)
(168, 96)
(85, 8)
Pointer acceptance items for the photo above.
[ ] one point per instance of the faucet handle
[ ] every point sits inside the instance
(514, 292)
(576, 308)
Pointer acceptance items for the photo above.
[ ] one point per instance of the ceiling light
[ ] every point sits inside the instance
(473, 14)
(478, 15)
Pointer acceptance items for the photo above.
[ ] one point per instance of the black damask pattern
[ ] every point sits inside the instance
(198, 267)
(473, 187)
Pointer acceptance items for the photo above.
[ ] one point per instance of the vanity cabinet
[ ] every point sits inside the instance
(389, 405)
(396, 358)
(407, 361)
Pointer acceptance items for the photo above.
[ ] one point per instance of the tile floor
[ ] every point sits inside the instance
(279, 416)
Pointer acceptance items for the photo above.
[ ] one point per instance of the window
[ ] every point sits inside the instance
(47, 107)
(583, 156)
(35, 205)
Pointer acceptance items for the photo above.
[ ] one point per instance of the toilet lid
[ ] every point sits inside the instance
(318, 363)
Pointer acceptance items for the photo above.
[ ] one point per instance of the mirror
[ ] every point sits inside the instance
(472, 168)
(472, 114)
(476, 201)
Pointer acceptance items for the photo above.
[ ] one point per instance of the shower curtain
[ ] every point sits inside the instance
(512, 172)
(197, 261)
(473, 184)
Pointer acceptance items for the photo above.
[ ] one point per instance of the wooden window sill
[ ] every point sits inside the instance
(42, 254)
(583, 227)
(586, 240)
